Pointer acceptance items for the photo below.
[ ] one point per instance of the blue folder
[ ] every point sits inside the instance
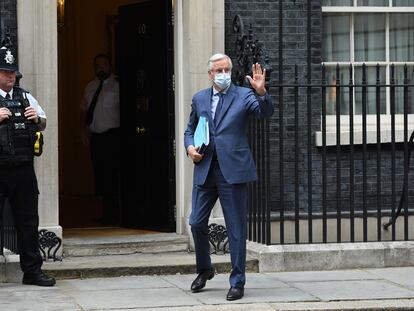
(202, 135)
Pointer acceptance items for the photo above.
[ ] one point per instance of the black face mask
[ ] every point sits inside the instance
(102, 75)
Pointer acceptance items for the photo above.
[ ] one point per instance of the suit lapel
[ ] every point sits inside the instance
(228, 100)
(207, 105)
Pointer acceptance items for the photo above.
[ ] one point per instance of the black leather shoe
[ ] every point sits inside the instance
(200, 281)
(235, 293)
(39, 279)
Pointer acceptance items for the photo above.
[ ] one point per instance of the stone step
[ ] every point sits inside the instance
(126, 244)
(136, 264)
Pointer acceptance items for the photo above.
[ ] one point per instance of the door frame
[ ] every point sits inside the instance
(199, 31)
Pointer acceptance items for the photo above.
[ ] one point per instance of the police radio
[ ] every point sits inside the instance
(38, 145)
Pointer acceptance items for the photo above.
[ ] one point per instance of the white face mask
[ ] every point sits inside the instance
(222, 80)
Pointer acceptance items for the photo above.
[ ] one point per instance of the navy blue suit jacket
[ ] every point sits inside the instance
(229, 136)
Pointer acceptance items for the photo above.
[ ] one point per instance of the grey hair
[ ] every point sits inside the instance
(217, 57)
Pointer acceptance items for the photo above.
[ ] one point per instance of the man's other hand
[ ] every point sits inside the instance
(4, 114)
(31, 114)
(194, 155)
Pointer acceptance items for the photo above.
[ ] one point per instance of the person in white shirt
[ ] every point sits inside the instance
(101, 123)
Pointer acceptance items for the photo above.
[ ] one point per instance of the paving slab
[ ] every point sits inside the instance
(213, 296)
(360, 305)
(127, 282)
(221, 281)
(352, 290)
(16, 297)
(131, 298)
(312, 276)
(401, 275)
(368, 290)
(227, 307)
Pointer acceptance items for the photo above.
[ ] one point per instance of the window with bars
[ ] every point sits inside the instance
(370, 32)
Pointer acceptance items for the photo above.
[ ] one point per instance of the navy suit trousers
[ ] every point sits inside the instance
(233, 200)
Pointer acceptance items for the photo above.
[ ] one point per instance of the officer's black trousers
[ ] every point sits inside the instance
(105, 150)
(19, 185)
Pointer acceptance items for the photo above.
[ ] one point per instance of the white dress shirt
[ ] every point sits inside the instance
(215, 99)
(106, 113)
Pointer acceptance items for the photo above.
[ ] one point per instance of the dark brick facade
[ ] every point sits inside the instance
(264, 17)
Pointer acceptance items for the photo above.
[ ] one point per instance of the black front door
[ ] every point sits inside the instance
(145, 65)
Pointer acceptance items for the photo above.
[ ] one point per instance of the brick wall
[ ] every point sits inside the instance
(8, 20)
(264, 15)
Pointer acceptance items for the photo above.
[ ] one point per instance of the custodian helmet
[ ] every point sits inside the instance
(7, 60)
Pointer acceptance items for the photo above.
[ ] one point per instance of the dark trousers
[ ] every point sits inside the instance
(105, 159)
(233, 199)
(19, 185)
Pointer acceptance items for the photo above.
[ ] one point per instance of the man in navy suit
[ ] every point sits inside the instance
(226, 166)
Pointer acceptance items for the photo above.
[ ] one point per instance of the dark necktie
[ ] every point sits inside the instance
(218, 107)
(8, 96)
(91, 109)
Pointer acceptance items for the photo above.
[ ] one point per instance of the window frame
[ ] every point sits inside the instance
(371, 118)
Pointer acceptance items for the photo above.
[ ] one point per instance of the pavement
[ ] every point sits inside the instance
(357, 289)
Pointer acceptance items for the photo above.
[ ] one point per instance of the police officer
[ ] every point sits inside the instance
(20, 118)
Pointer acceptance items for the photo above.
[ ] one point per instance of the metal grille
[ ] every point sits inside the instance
(381, 196)
(8, 237)
(335, 192)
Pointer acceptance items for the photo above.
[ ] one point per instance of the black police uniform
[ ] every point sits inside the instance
(18, 181)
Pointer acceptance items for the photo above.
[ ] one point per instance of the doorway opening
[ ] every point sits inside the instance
(138, 37)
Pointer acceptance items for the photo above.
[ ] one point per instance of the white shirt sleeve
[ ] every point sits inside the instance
(33, 102)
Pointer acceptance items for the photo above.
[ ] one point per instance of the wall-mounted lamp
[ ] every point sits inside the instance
(60, 14)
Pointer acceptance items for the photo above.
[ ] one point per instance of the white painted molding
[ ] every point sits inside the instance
(37, 40)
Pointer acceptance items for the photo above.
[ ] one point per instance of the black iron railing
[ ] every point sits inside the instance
(327, 172)
(8, 237)
(349, 179)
